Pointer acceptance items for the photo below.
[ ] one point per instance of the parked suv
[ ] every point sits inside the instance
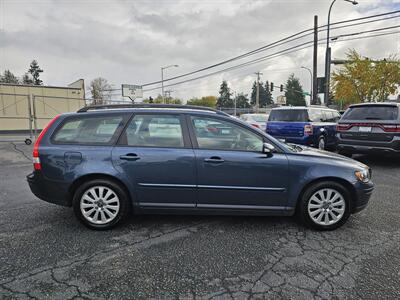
(312, 126)
(107, 163)
(369, 127)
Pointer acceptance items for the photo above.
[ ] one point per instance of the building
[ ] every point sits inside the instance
(23, 107)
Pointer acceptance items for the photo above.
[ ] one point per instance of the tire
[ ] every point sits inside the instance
(105, 202)
(307, 206)
(28, 141)
(321, 143)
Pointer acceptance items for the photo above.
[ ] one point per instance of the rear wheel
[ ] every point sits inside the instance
(322, 143)
(325, 206)
(100, 204)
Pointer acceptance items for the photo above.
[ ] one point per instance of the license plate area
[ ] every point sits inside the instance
(365, 129)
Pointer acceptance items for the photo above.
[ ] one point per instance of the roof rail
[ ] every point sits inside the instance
(174, 106)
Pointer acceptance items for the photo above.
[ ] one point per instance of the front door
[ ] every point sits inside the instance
(155, 154)
(232, 171)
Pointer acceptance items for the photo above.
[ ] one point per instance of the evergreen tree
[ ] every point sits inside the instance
(224, 100)
(35, 71)
(9, 77)
(265, 94)
(26, 79)
(242, 101)
(294, 92)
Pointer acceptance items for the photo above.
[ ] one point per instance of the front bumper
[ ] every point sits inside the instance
(48, 190)
(363, 194)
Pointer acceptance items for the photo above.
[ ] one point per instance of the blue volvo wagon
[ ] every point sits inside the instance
(109, 162)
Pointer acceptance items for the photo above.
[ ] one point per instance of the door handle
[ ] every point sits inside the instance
(130, 156)
(214, 160)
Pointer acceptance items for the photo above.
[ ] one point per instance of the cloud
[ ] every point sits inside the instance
(128, 41)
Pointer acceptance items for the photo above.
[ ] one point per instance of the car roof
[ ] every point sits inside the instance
(302, 107)
(376, 104)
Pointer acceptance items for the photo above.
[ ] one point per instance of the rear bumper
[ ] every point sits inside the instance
(356, 146)
(48, 190)
(363, 194)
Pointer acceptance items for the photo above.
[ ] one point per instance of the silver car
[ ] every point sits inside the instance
(256, 120)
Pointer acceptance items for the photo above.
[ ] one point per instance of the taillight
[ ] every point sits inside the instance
(390, 128)
(255, 125)
(35, 153)
(308, 129)
(343, 127)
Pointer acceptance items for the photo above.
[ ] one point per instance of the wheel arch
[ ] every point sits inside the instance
(341, 181)
(78, 181)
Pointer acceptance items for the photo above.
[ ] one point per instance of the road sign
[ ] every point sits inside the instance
(281, 100)
(132, 91)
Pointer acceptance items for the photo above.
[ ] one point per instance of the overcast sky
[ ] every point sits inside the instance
(128, 41)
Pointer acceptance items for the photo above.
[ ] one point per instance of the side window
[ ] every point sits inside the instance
(88, 130)
(222, 135)
(155, 131)
(316, 115)
(336, 116)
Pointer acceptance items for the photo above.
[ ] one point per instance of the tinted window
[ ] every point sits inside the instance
(288, 115)
(88, 130)
(222, 135)
(371, 112)
(155, 131)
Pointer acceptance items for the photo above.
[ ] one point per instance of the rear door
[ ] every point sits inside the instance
(155, 153)
(287, 123)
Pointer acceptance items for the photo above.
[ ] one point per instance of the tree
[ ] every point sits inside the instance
(35, 71)
(9, 77)
(294, 92)
(100, 90)
(26, 79)
(363, 80)
(265, 94)
(242, 101)
(208, 101)
(224, 99)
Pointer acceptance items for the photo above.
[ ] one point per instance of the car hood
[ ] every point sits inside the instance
(308, 151)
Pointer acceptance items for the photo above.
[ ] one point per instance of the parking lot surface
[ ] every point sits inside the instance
(46, 254)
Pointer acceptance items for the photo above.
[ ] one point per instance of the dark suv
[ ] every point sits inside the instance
(368, 128)
(106, 163)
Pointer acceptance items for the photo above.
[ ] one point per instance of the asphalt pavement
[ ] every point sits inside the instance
(45, 253)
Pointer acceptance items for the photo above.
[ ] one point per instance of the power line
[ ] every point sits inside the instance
(266, 47)
(277, 54)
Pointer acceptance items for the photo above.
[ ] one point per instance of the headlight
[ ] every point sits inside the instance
(363, 175)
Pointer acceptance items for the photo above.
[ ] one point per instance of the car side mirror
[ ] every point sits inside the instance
(268, 148)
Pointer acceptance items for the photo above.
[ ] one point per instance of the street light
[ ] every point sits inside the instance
(162, 79)
(328, 52)
(311, 92)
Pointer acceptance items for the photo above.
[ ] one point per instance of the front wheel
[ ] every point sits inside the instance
(321, 143)
(100, 204)
(324, 206)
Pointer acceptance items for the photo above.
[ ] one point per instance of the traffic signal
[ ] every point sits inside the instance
(272, 87)
(281, 88)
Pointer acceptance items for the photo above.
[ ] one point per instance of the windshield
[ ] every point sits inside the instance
(371, 112)
(288, 115)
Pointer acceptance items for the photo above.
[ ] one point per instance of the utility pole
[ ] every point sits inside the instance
(314, 96)
(258, 91)
(235, 99)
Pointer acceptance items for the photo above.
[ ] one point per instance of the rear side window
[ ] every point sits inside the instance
(371, 112)
(288, 115)
(154, 131)
(88, 130)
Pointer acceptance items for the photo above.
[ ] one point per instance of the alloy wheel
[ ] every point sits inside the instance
(99, 205)
(326, 207)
